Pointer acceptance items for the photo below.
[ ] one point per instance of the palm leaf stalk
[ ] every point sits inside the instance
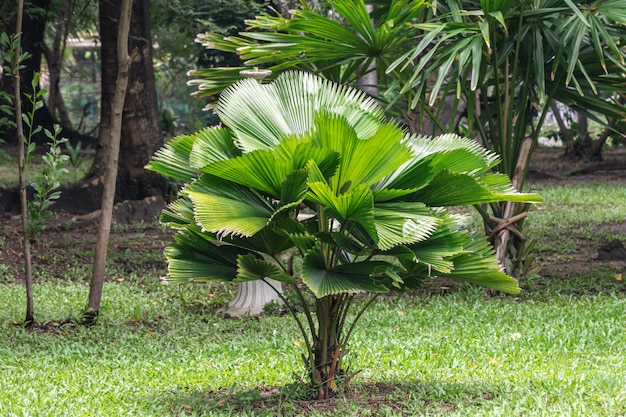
(307, 168)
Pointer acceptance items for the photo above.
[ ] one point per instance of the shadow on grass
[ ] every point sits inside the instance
(402, 398)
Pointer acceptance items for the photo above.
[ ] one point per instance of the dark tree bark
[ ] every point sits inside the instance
(595, 150)
(141, 131)
(284, 6)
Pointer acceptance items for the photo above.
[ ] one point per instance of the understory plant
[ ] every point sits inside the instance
(307, 169)
(45, 193)
(46, 183)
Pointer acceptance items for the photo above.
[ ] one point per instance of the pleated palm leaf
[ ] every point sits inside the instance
(307, 168)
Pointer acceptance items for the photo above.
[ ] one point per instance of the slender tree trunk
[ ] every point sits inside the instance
(284, 6)
(583, 127)
(17, 93)
(595, 151)
(565, 132)
(110, 176)
(328, 351)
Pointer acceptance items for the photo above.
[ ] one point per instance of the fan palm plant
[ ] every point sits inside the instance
(306, 168)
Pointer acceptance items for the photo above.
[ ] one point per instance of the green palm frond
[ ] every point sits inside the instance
(355, 205)
(470, 156)
(452, 189)
(403, 223)
(172, 160)
(178, 214)
(195, 258)
(317, 171)
(226, 208)
(252, 268)
(437, 250)
(210, 82)
(363, 159)
(260, 115)
(260, 170)
(432, 155)
(324, 280)
(212, 145)
(268, 242)
(477, 265)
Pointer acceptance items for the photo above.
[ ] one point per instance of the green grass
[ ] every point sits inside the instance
(573, 214)
(455, 355)
(557, 349)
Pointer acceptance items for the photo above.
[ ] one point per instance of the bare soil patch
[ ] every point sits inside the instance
(550, 165)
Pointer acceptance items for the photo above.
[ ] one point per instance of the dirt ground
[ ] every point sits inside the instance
(550, 167)
(138, 234)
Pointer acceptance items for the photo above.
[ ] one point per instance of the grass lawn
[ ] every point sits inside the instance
(555, 350)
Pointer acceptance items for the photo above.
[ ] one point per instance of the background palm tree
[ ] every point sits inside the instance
(505, 62)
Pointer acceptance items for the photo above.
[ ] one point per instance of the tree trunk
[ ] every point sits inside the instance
(565, 132)
(284, 7)
(141, 131)
(595, 150)
(583, 127)
(110, 175)
(502, 237)
(17, 96)
(327, 348)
